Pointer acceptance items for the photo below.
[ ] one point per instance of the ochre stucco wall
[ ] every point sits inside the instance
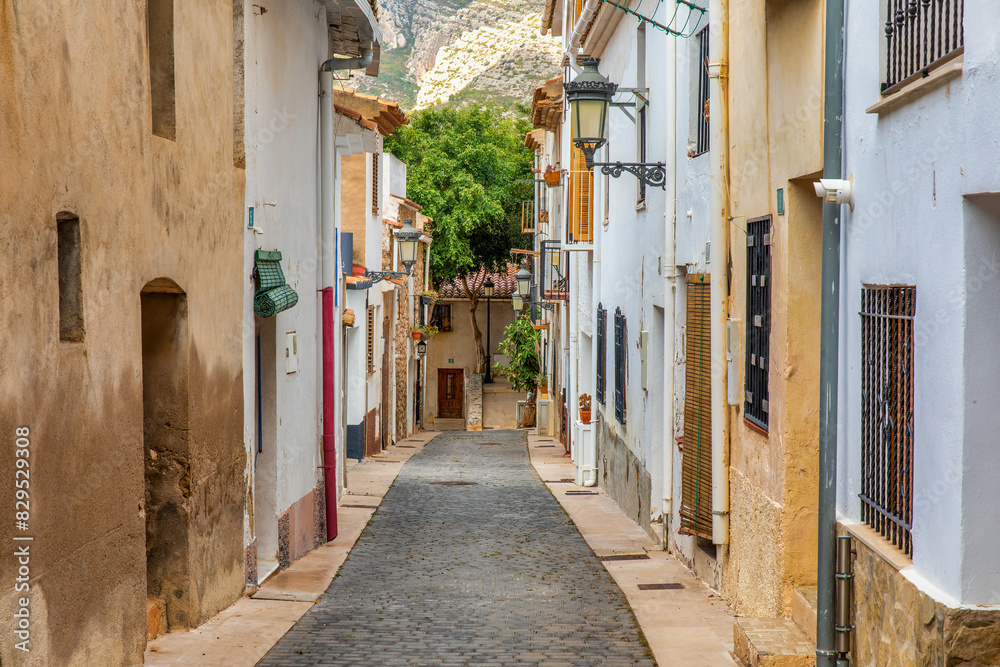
(76, 126)
(775, 115)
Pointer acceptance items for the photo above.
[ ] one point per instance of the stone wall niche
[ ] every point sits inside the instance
(167, 452)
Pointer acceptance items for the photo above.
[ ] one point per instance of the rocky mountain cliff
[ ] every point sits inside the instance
(460, 51)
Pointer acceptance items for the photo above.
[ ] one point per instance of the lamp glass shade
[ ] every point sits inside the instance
(523, 282)
(589, 118)
(488, 288)
(518, 302)
(409, 239)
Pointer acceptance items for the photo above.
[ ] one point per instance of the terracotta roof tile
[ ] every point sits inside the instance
(504, 284)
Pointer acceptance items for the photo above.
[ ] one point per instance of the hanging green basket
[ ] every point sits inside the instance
(273, 295)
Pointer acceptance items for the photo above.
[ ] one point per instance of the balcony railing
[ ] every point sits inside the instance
(920, 34)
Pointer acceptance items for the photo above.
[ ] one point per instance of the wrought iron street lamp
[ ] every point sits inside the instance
(524, 282)
(408, 238)
(589, 96)
(488, 292)
(422, 348)
(517, 301)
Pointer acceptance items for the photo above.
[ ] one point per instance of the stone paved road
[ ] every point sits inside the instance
(485, 574)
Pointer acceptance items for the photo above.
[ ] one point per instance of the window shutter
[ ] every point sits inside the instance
(581, 214)
(621, 360)
(758, 321)
(602, 324)
(371, 339)
(696, 457)
(375, 159)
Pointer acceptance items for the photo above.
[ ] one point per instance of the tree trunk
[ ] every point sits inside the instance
(477, 335)
(528, 420)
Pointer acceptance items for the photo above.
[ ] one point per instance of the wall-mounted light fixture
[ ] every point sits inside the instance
(589, 96)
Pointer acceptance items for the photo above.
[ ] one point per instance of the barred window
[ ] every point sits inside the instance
(375, 158)
(758, 326)
(887, 314)
(441, 317)
(700, 112)
(621, 362)
(371, 339)
(602, 350)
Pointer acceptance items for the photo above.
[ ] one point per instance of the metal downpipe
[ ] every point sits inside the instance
(833, 113)
(718, 73)
(334, 64)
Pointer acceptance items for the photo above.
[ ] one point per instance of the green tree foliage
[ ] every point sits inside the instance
(462, 168)
(520, 346)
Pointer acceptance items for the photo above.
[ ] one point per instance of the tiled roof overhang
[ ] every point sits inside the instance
(387, 116)
(547, 105)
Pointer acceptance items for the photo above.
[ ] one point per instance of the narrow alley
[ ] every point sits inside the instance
(469, 560)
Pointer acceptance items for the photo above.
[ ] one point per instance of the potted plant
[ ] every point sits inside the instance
(552, 175)
(428, 297)
(543, 386)
(585, 408)
(416, 334)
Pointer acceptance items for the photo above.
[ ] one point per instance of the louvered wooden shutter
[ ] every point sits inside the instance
(581, 215)
(696, 482)
(602, 325)
(621, 365)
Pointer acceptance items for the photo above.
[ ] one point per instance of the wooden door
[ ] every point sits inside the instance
(384, 407)
(451, 401)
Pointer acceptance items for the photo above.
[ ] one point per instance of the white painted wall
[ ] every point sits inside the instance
(913, 168)
(283, 51)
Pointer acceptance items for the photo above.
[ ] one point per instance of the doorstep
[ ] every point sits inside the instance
(772, 642)
(686, 623)
(244, 632)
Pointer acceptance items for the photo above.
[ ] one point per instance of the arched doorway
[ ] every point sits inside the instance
(166, 451)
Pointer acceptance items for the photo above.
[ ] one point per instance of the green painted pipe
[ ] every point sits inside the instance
(833, 116)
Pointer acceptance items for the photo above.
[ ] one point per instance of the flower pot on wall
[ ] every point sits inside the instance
(585, 416)
(552, 178)
(416, 335)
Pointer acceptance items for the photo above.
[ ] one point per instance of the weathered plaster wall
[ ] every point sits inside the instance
(76, 121)
(776, 65)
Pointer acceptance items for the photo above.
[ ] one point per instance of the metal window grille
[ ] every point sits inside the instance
(375, 157)
(696, 454)
(887, 314)
(702, 110)
(919, 35)
(371, 339)
(621, 360)
(758, 325)
(602, 350)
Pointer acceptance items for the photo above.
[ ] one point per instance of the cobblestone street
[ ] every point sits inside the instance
(468, 561)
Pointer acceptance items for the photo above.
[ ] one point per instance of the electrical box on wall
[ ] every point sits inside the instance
(291, 352)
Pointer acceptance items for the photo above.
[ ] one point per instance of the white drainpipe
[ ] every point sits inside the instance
(669, 313)
(579, 29)
(718, 72)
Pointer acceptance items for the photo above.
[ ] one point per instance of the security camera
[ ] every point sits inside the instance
(836, 191)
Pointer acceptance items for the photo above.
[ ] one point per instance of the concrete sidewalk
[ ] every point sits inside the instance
(687, 625)
(241, 635)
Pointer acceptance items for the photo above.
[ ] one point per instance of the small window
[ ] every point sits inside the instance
(70, 286)
(160, 42)
(621, 364)
(701, 129)
(371, 339)
(758, 324)
(602, 350)
(887, 316)
(441, 317)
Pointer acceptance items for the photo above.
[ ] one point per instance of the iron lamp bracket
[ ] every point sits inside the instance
(379, 276)
(653, 174)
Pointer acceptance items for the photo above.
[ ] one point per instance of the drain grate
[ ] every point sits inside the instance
(544, 446)
(673, 586)
(581, 493)
(625, 557)
(363, 507)
(454, 483)
(406, 446)
(492, 444)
